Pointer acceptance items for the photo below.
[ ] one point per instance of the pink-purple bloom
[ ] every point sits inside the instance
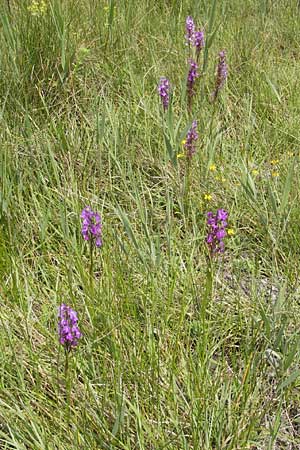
(163, 90)
(217, 224)
(191, 79)
(68, 330)
(199, 41)
(194, 38)
(190, 30)
(191, 138)
(193, 74)
(222, 71)
(91, 226)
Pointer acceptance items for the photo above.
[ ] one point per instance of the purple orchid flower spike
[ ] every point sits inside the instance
(199, 42)
(191, 79)
(190, 30)
(91, 226)
(68, 330)
(217, 224)
(222, 72)
(191, 138)
(163, 90)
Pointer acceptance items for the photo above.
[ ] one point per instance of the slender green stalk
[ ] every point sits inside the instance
(91, 271)
(186, 187)
(67, 386)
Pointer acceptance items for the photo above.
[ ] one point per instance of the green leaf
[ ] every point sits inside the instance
(287, 189)
(128, 228)
(170, 150)
(293, 377)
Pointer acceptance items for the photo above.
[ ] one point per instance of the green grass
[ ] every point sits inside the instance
(170, 358)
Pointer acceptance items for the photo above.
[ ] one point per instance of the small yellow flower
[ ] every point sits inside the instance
(207, 197)
(37, 7)
(183, 142)
(275, 174)
(223, 180)
(230, 232)
(217, 178)
(274, 162)
(212, 168)
(180, 155)
(255, 172)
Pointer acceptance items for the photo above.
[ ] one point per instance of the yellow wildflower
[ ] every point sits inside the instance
(37, 8)
(274, 162)
(212, 168)
(230, 232)
(219, 178)
(180, 155)
(183, 142)
(275, 174)
(207, 197)
(255, 172)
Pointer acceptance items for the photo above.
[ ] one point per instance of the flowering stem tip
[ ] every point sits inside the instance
(190, 30)
(191, 80)
(217, 224)
(163, 90)
(222, 72)
(190, 141)
(68, 330)
(91, 226)
(199, 42)
(194, 38)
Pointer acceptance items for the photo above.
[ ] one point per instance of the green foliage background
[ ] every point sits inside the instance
(162, 364)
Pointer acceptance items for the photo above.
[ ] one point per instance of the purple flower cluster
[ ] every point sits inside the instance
(193, 74)
(191, 139)
(91, 226)
(163, 90)
(191, 79)
(199, 41)
(217, 230)
(190, 30)
(221, 73)
(68, 330)
(194, 38)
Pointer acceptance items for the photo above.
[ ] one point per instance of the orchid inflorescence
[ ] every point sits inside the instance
(222, 71)
(68, 330)
(194, 38)
(91, 226)
(191, 139)
(163, 90)
(217, 224)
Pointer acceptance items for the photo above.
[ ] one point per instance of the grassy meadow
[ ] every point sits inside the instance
(180, 349)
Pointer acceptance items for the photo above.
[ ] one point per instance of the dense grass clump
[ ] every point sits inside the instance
(120, 131)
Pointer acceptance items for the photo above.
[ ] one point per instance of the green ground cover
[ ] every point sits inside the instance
(180, 350)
